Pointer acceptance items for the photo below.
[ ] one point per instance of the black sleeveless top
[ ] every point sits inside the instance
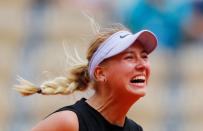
(91, 120)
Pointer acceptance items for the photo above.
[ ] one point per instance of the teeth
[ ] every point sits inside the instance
(139, 78)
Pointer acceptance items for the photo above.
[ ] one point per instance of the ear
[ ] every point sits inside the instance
(99, 74)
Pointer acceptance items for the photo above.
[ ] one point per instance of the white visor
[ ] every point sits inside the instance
(117, 43)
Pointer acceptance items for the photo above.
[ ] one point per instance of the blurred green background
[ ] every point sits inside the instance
(31, 37)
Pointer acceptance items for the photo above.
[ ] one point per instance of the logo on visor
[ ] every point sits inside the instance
(123, 36)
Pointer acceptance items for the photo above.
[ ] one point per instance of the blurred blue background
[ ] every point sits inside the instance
(31, 37)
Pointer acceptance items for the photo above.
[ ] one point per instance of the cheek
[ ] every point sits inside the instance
(119, 70)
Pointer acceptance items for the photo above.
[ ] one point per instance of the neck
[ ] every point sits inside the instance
(112, 108)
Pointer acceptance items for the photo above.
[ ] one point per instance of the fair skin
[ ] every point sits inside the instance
(59, 122)
(119, 82)
(115, 96)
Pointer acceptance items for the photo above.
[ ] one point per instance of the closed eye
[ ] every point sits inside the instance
(128, 57)
(144, 55)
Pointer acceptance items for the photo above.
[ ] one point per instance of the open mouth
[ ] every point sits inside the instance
(138, 80)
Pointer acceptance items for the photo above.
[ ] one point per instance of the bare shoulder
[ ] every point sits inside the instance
(60, 121)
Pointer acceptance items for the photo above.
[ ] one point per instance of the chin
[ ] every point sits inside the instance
(142, 94)
(137, 92)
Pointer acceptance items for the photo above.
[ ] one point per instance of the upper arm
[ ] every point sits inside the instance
(60, 121)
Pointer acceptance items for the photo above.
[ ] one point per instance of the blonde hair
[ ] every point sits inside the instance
(77, 78)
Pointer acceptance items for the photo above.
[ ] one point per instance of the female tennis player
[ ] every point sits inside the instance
(118, 70)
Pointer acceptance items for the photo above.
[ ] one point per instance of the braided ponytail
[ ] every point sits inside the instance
(77, 79)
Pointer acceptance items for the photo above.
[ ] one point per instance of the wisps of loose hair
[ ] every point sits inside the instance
(94, 25)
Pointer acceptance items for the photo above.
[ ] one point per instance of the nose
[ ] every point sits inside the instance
(141, 64)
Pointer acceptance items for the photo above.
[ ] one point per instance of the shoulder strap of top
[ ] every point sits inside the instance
(62, 109)
(134, 125)
(72, 108)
